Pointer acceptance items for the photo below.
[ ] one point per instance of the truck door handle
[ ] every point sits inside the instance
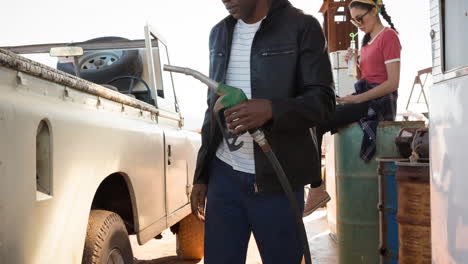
(169, 152)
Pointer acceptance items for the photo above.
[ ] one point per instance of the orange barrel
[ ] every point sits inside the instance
(414, 213)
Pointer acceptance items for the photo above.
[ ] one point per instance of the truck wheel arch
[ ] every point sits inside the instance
(115, 194)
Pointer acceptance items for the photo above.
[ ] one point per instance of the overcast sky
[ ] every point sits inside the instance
(186, 25)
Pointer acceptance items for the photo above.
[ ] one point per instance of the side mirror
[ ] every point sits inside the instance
(66, 51)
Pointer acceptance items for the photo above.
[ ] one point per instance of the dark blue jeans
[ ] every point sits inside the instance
(234, 211)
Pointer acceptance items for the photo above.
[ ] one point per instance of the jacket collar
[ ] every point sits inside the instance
(276, 6)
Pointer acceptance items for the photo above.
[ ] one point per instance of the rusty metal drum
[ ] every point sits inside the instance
(414, 213)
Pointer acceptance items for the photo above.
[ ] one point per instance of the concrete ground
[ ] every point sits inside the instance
(323, 248)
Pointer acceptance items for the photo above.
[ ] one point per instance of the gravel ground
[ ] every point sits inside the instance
(323, 248)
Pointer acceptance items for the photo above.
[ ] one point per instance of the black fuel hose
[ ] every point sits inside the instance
(292, 201)
(259, 137)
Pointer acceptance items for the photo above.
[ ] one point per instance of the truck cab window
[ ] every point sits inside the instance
(167, 80)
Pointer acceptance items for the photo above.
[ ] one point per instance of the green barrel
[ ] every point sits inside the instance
(357, 191)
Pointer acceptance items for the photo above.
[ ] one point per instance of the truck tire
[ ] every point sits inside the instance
(190, 238)
(102, 66)
(107, 240)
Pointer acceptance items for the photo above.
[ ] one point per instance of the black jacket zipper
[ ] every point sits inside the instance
(274, 53)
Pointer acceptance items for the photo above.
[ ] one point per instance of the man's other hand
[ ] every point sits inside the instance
(197, 200)
(248, 115)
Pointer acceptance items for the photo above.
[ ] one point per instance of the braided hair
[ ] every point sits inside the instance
(383, 12)
(368, 7)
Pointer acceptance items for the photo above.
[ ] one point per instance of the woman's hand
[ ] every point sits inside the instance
(349, 99)
(350, 53)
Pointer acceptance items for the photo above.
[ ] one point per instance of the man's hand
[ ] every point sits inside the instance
(197, 200)
(248, 115)
(349, 99)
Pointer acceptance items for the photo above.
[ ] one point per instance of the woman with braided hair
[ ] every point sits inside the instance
(376, 93)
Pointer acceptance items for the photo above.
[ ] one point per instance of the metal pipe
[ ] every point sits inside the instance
(196, 74)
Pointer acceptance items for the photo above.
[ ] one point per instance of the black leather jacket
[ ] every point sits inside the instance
(289, 66)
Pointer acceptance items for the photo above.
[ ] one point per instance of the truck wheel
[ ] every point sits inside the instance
(190, 238)
(107, 240)
(102, 66)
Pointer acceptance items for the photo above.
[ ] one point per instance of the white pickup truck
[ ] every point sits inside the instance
(92, 150)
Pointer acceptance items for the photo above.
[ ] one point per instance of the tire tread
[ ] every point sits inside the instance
(101, 224)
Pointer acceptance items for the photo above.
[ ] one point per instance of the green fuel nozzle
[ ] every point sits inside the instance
(229, 96)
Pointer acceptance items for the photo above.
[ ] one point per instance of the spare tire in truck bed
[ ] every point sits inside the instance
(102, 66)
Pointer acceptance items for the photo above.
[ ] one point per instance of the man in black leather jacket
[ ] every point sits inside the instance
(291, 88)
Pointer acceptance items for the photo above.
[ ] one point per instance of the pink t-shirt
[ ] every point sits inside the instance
(384, 49)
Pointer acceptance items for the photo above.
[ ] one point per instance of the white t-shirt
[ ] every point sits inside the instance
(238, 75)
